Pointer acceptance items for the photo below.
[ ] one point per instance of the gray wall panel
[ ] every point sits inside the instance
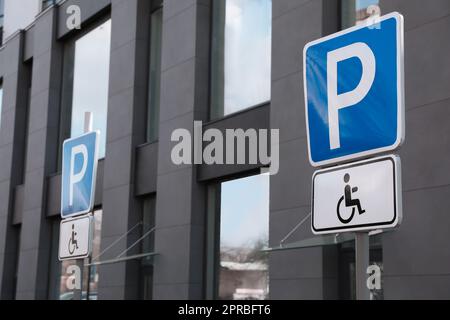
(18, 205)
(29, 43)
(12, 131)
(146, 168)
(179, 236)
(415, 257)
(255, 118)
(41, 160)
(126, 130)
(299, 271)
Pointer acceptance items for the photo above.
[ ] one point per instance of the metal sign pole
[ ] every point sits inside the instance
(78, 293)
(362, 263)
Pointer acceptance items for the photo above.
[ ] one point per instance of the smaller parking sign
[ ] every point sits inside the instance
(364, 195)
(75, 238)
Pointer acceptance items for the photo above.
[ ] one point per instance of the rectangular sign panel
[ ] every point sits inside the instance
(79, 171)
(75, 238)
(354, 92)
(364, 195)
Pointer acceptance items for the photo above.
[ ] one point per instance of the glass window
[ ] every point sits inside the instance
(241, 231)
(154, 76)
(241, 55)
(2, 19)
(29, 78)
(59, 270)
(355, 12)
(85, 84)
(2, 12)
(47, 3)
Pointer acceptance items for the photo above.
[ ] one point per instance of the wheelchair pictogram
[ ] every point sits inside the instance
(350, 203)
(73, 243)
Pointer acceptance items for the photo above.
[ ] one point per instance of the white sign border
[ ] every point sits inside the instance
(400, 92)
(376, 226)
(91, 235)
(94, 176)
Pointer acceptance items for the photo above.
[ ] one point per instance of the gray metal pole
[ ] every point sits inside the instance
(78, 293)
(362, 263)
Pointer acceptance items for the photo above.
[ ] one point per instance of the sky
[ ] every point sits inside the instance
(91, 79)
(244, 210)
(360, 4)
(247, 53)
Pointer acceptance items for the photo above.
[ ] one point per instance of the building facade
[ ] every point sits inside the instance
(144, 68)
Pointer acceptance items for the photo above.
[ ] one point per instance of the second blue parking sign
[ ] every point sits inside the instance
(354, 92)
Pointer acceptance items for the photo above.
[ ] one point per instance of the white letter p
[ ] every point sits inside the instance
(77, 177)
(340, 101)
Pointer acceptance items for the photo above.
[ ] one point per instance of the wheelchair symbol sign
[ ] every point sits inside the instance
(75, 238)
(364, 195)
(350, 202)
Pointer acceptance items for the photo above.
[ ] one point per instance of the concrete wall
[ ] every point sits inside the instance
(295, 274)
(417, 256)
(179, 239)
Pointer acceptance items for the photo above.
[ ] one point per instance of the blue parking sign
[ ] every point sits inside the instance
(79, 170)
(354, 92)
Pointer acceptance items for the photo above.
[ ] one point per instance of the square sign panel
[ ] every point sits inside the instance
(79, 170)
(354, 92)
(359, 196)
(75, 238)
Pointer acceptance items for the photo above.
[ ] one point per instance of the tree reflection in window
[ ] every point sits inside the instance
(244, 229)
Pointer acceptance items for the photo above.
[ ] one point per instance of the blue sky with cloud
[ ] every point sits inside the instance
(361, 4)
(247, 53)
(244, 211)
(91, 81)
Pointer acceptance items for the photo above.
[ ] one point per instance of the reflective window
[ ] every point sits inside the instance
(355, 12)
(85, 83)
(28, 75)
(154, 76)
(241, 55)
(2, 12)
(47, 3)
(241, 233)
